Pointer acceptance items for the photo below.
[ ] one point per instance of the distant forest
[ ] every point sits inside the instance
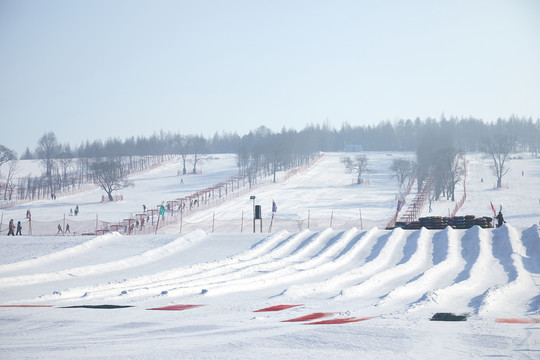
(439, 146)
(466, 134)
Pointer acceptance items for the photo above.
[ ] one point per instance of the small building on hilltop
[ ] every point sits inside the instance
(353, 148)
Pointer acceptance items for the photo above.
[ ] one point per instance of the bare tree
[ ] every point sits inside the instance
(47, 151)
(357, 165)
(403, 169)
(65, 162)
(108, 175)
(6, 155)
(456, 172)
(10, 179)
(182, 144)
(198, 148)
(448, 171)
(498, 148)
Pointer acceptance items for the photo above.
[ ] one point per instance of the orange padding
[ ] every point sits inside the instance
(277, 308)
(339, 321)
(517, 321)
(26, 306)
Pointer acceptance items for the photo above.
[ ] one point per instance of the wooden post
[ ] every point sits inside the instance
(181, 219)
(271, 222)
(331, 218)
(242, 223)
(64, 227)
(29, 222)
(361, 225)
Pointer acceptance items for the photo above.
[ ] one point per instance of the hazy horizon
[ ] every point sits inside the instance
(97, 70)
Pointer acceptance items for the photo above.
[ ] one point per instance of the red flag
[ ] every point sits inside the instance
(493, 208)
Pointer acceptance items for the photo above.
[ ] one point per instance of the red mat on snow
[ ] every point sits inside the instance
(25, 306)
(309, 317)
(277, 308)
(338, 321)
(518, 321)
(176, 307)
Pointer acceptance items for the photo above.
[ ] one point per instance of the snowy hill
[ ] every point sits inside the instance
(348, 291)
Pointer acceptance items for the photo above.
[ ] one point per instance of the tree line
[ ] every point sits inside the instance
(439, 146)
(468, 134)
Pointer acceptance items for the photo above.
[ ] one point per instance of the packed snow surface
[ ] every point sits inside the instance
(318, 293)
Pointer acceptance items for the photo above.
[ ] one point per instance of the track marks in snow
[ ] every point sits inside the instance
(160, 281)
(476, 270)
(447, 262)
(520, 288)
(480, 272)
(374, 254)
(416, 259)
(148, 256)
(305, 264)
(75, 251)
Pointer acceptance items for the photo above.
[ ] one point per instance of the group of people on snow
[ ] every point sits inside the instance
(60, 229)
(11, 228)
(76, 211)
(17, 229)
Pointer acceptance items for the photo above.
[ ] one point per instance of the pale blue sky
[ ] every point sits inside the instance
(99, 69)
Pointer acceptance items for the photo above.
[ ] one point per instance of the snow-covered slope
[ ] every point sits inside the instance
(381, 286)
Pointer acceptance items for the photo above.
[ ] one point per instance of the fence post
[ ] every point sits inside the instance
(331, 218)
(361, 225)
(181, 219)
(242, 223)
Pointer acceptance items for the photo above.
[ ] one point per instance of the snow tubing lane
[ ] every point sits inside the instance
(517, 321)
(96, 307)
(26, 306)
(176, 307)
(309, 317)
(449, 317)
(339, 321)
(277, 308)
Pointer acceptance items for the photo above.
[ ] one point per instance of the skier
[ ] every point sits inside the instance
(67, 229)
(76, 210)
(500, 219)
(19, 228)
(59, 229)
(11, 228)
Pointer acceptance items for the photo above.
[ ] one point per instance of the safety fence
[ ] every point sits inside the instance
(67, 226)
(172, 212)
(244, 223)
(180, 223)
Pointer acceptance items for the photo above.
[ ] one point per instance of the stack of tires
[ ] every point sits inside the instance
(433, 222)
(439, 222)
(483, 222)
